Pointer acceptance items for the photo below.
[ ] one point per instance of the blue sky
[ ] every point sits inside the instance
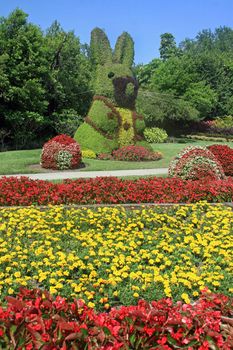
(145, 20)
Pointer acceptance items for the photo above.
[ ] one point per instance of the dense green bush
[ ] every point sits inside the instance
(67, 121)
(140, 125)
(155, 135)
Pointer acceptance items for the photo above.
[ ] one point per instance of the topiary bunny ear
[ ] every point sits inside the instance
(101, 52)
(124, 50)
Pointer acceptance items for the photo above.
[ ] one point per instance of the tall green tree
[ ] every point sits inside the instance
(202, 97)
(70, 72)
(174, 75)
(23, 68)
(167, 46)
(144, 72)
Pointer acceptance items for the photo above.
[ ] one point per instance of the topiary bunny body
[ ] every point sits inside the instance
(112, 121)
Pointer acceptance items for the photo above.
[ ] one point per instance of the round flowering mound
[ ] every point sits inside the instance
(224, 154)
(135, 153)
(61, 152)
(194, 163)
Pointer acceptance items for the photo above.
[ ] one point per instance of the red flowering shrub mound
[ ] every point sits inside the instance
(224, 154)
(135, 153)
(35, 320)
(61, 152)
(112, 190)
(194, 163)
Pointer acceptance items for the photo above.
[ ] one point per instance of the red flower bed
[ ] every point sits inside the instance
(61, 152)
(34, 320)
(105, 156)
(23, 191)
(224, 154)
(135, 153)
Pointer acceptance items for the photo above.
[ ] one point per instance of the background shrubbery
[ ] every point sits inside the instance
(47, 79)
(155, 135)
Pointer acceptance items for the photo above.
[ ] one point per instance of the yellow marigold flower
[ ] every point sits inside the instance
(91, 305)
(135, 288)
(52, 290)
(185, 297)
(215, 283)
(17, 274)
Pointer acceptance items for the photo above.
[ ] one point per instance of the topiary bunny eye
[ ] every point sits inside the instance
(111, 75)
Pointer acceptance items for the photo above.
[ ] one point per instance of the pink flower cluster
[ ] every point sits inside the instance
(194, 163)
(61, 152)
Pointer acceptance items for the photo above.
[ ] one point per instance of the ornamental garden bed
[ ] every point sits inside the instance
(111, 190)
(155, 277)
(112, 258)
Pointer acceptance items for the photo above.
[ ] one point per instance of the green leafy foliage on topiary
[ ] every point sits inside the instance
(92, 139)
(139, 125)
(102, 116)
(100, 48)
(126, 131)
(124, 50)
(103, 85)
(155, 135)
(112, 121)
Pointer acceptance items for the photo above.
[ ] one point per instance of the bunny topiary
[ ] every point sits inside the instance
(112, 121)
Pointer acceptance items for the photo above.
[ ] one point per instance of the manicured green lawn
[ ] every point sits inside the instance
(18, 162)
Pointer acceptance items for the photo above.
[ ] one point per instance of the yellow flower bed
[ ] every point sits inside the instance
(112, 256)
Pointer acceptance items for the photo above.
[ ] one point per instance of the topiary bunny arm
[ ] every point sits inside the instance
(103, 117)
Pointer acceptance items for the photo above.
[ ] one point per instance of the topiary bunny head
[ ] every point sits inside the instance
(114, 78)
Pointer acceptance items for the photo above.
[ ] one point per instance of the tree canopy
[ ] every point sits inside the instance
(198, 73)
(42, 74)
